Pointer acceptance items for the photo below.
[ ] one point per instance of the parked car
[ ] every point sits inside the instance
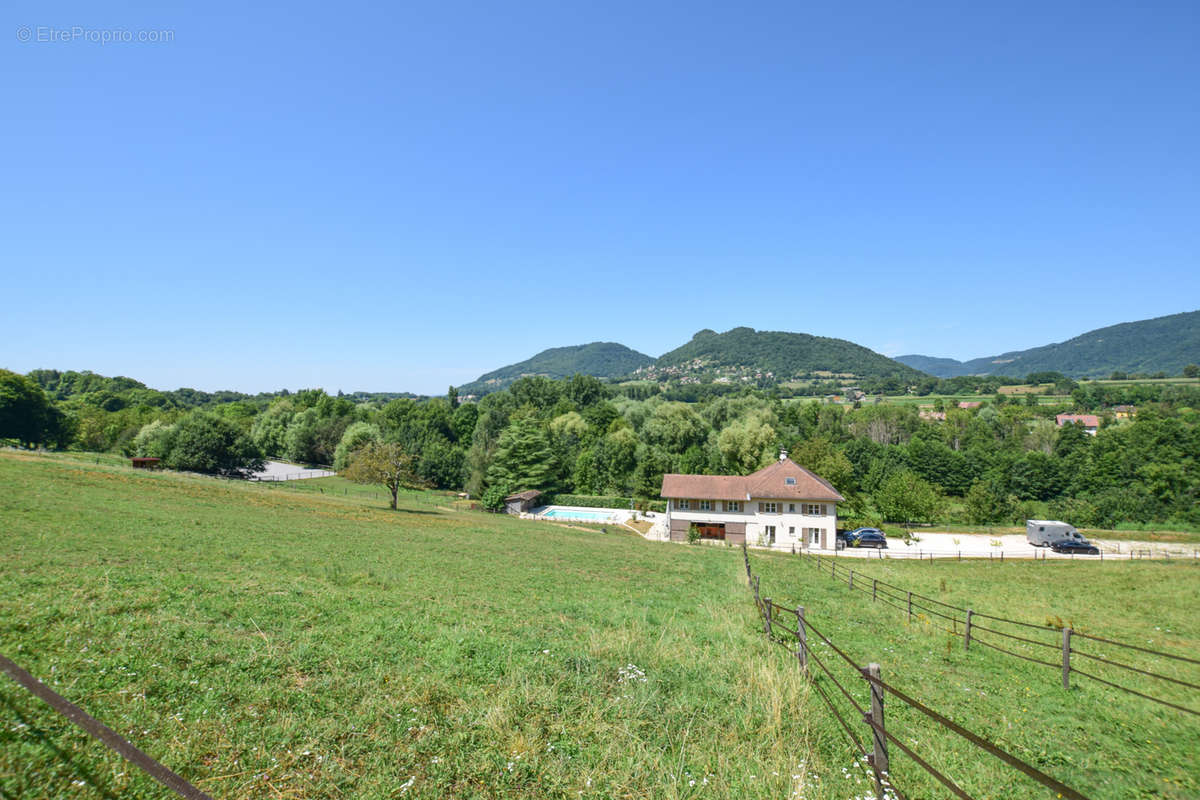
(1071, 546)
(866, 537)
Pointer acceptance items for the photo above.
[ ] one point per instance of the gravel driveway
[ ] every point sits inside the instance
(282, 471)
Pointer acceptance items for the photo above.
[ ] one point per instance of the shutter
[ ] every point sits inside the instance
(760, 507)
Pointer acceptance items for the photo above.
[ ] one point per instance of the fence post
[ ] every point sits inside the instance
(879, 757)
(802, 637)
(1066, 647)
(767, 616)
(967, 634)
(852, 579)
(874, 588)
(910, 606)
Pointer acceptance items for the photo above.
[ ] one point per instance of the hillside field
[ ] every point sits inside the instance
(302, 641)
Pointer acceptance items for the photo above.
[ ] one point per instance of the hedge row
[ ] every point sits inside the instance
(601, 501)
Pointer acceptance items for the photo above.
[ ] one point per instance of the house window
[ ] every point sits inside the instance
(812, 509)
(683, 505)
(814, 536)
(769, 533)
(733, 505)
(790, 481)
(791, 508)
(768, 508)
(792, 532)
(706, 505)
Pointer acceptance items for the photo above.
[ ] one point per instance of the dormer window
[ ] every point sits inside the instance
(790, 481)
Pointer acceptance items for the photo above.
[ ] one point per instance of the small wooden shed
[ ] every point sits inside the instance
(145, 462)
(521, 501)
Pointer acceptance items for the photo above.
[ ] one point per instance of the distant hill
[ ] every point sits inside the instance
(599, 359)
(776, 356)
(940, 367)
(1163, 344)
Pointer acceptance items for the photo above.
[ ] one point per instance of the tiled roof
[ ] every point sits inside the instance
(769, 482)
(1086, 420)
(705, 487)
(528, 494)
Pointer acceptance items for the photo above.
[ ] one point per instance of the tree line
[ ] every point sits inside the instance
(1002, 462)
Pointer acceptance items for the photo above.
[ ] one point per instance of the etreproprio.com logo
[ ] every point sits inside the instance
(39, 34)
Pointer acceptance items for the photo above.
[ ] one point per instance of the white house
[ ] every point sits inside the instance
(781, 506)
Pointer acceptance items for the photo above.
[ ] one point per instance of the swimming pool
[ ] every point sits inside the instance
(581, 516)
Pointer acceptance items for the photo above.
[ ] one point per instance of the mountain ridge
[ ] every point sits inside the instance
(599, 359)
(1159, 344)
(744, 353)
(738, 355)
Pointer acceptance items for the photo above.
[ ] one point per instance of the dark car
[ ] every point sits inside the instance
(1071, 546)
(866, 537)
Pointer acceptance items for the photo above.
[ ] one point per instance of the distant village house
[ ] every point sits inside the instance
(1090, 422)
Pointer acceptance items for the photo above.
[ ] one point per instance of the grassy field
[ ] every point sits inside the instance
(279, 641)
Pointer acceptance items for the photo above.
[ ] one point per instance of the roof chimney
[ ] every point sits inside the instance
(783, 455)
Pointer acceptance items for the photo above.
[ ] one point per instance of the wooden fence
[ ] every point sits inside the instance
(793, 629)
(1058, 643)
(102, 733)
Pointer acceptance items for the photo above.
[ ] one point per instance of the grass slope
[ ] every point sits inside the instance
(284, 641)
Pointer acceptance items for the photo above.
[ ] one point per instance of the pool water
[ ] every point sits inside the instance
(589, 516)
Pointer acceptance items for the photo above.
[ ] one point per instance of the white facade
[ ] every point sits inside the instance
(771, 523)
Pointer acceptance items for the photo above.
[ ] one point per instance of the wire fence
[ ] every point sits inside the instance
(793, 630)
(1063, 653)
(292, 476)
(1001, 555)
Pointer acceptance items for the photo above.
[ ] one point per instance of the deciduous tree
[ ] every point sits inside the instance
(386, 464)
(906, 497)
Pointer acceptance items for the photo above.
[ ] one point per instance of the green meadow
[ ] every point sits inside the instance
(302, 641)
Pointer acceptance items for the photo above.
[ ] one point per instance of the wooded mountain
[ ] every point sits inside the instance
(1163, 344)
(599, 359)
(775, 356)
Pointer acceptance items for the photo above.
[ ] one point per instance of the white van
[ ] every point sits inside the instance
(1045, 532)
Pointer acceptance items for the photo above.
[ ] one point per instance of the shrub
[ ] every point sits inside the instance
(154, 440)
(357, 435)
(493, 498)
(203, 442)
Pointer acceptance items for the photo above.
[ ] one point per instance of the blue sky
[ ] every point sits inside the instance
(402, 197)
